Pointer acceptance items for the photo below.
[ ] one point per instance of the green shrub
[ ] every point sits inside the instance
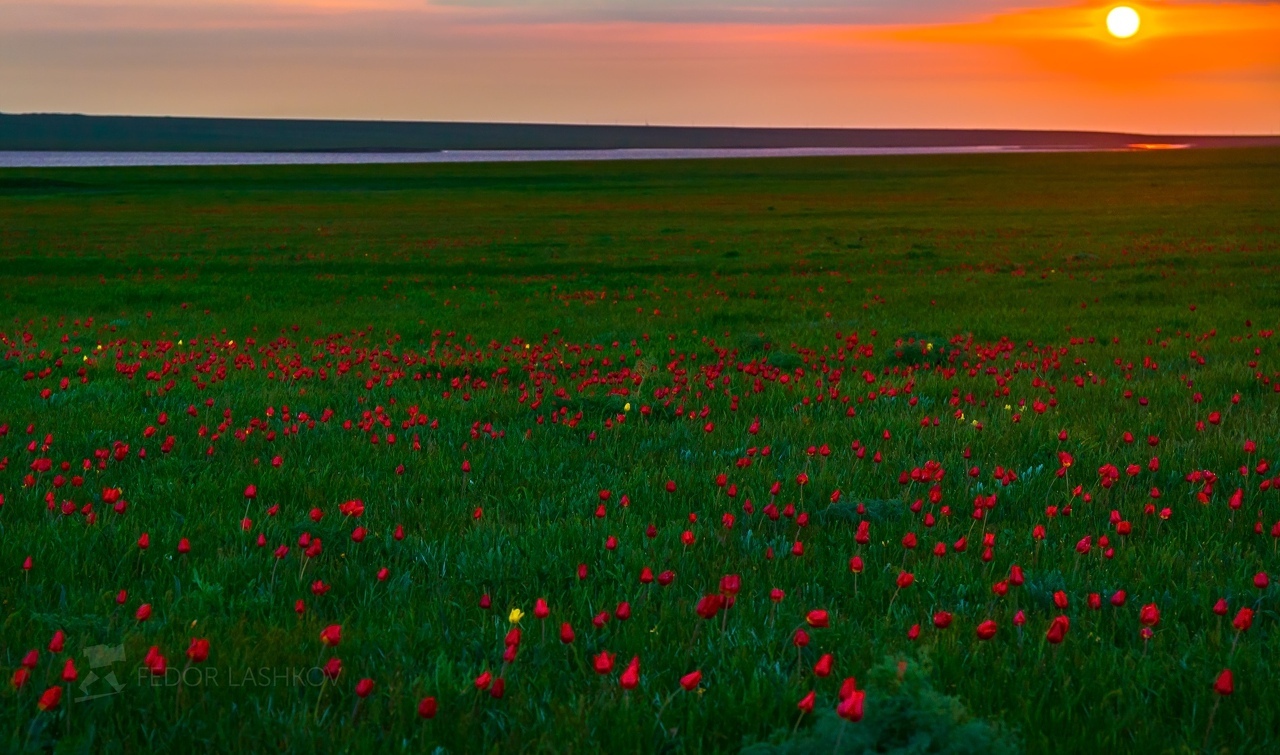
(904, 715)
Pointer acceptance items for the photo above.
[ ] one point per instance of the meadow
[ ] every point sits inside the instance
(909, 454)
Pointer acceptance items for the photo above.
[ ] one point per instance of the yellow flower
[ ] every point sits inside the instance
(626, 407)
(928, 346)
(1007, 407)
(515, 616)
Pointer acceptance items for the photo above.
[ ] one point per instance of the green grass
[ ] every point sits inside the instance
(460, 292)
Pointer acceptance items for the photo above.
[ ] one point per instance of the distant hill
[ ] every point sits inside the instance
(155, 134)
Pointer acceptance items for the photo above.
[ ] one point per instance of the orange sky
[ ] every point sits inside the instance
(1193, 67)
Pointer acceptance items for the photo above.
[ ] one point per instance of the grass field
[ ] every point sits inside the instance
(610, 387)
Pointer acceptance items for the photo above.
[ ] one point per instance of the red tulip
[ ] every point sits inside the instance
(31, 659)
(144, 612)
(847, 688)
(57, 642)
(333, 668)
(913, 633)
(1117, 598)
(806, 703)
(730, 584)
(155, 661)
(483, 681)
(630, 678)
(540, 609)
(800, 638)
(20, 677)
(498, 689)
(1220, 607)
(198, 651)
(1225, 683)
(51, 699)
(905, 579)
(851, 708)
(817, 618)
(709, 605)
(856, 565)
(427, 707)
(623, 611)
(1260, 580)
(566, 633)
(364, 687)
(776, 595)
(942, 619)
(331, 635)
(986, 630)
(1058, 629)
(691, 680)
(184, 546)
(69, 673)
(603, 662)
(821, 668)
(1243, 620)
(1149, 615)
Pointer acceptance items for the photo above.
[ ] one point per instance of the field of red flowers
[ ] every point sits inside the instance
(973, 454)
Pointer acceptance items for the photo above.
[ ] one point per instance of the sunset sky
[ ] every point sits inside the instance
(1193, 67)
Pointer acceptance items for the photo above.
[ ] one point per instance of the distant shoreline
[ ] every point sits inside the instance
(83, 159)
(145, 134)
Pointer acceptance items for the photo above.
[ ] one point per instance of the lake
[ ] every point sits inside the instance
(124, 159)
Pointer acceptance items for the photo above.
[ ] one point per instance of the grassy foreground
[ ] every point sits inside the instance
(244, 406)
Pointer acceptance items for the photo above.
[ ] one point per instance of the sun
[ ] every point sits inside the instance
(1123, 22)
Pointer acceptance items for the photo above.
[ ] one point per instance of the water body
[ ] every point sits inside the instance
(135, 159)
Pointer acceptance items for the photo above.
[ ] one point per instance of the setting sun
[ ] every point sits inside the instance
(1123, 22)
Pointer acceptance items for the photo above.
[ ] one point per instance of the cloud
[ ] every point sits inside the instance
(1211, 68)
(244, 13)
